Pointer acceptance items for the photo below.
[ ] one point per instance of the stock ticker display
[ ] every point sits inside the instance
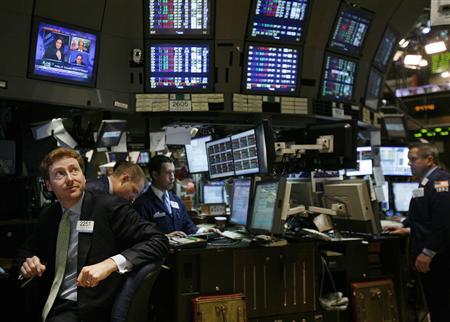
(278, 20)
(350, 30)
(338, 78)
(271, 69)
(179, 66)
(179, 17)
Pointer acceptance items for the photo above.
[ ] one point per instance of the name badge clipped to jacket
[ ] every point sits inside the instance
(174, 204)
(441, 186)
(159, 214)
(85, 226)
(418, 193)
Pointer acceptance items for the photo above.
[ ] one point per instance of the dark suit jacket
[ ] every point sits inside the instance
(100, 184)
(50, 53)
(117, 230)
(148, 205)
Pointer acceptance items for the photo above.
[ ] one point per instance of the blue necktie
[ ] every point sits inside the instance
(167, 203)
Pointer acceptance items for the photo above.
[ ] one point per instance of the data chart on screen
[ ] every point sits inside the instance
(338, 78)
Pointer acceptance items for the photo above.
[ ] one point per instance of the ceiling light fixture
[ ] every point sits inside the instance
(435, 47)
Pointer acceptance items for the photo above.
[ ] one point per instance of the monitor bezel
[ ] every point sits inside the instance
(211, 79)
(269, 40)
(296, 92)
(32, 52)
(397, 38)
(211, 26)
(206, 154)
(248, 201)
(322, 78)
(357, 54)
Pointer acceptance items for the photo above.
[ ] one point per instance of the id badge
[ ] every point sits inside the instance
(85, 226)
(418, 193)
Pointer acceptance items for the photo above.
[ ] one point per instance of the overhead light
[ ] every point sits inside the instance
(397, 55)
(412, 59)
(412, 66)
(423, 63)
(403, 43)
(426, 30)
(445, 74)
(435, 47)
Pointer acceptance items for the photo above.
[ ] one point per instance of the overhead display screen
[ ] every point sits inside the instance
(374, 86)
(386, 49)
(338, 78)
(179, 67)
(350, 30)
(271, 69)
(178, 18)
(278, 20)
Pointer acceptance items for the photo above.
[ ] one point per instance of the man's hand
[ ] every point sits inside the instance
(178, 234)
(90, 276)
(423, 263)
(32, 267)
(401, 231)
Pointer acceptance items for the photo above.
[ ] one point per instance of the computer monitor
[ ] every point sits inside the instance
(196, 155)
(240, 201)
(271, 69)
(338, 78)
(344, 146)
(220, 158)
(385, 203)
(374, 88)
(265, 215)
(110, 132)
(357, 214)
(245, 152)
(179, 66)
(363, 162)
(281, 21)
(403, 192)
(213, 194)
(386, 49)
(350, 30)
(394, 161)
(394, 125)
(179, 19)
(63, 53)
(144, 157)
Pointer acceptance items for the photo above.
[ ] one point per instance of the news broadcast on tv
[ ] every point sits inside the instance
(64, 53)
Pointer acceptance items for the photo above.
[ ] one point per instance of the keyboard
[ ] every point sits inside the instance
(186, 242)
(234, 235)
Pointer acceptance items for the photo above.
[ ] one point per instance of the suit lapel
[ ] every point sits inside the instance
(85, 239)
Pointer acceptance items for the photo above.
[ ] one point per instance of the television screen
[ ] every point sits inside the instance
(179, 66)
(278, 21)
(110, 132)
(363, 162)
(374, 87)
(63, 53)
(240, 201)
(220, 158)
(178, 18)
(385, 49)
(338, 78)
(403, 192)
(394, 161)
(196, 156)
(271, 69)
(350, 30)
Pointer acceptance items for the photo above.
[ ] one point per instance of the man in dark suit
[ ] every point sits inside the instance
(428, 223)
(127, 181)
(56, 52)
(83, 244)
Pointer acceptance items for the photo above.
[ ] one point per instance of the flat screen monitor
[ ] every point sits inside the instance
(363, 162)
(357, 214)
(213, 194)
(266, 146)
(196, 156)
(144, 157)
(220, 158)
(338, 78)
(278, 21)
(394, 161)
(344, 146)
(178, 18)
(271, 69)
(265, 215)
(63, 53)
(386, 49)
(245, 152)
(240, 201)
(350, 30)
(117, 156)
(374, 87)
(394, 125)
(403, 192)
(179, 66)
(110, 132)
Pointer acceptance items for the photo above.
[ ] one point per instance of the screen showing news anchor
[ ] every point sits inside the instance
(64, 54)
